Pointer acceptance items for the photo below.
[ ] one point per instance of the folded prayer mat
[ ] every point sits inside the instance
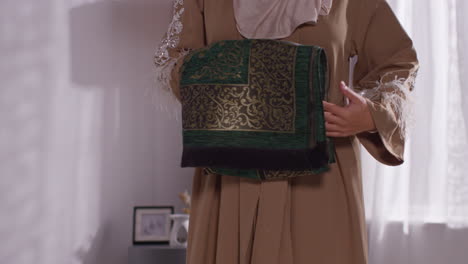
(253, 108)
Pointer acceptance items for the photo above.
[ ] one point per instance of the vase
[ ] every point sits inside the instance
(179, 231)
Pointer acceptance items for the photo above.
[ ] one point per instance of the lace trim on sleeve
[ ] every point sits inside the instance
(394, 95)
(162, 59)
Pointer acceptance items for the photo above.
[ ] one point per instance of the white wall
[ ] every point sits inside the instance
(80, 141)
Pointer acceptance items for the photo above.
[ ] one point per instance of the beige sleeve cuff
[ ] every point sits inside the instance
(387, 145)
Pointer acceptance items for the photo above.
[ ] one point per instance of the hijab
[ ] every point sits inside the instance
(275, 19)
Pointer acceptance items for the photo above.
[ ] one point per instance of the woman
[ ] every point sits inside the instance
(315, 218)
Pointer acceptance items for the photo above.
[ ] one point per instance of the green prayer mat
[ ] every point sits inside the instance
(253, 108)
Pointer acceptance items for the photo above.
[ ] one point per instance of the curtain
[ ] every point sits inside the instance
(418, 212)
(81, 142)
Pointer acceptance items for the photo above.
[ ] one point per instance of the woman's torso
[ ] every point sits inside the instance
(332, 32)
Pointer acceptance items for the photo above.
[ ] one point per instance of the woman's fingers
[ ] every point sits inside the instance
(335, 134)
(350, 94)
(330, 127)
(335, 109)
(331, 118)
(335, 130)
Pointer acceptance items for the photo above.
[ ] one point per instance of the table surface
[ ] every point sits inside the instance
(155, 254)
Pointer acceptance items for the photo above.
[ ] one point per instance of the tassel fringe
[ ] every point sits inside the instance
(396, 96)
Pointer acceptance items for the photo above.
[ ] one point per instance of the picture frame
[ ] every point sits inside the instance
(152, 224)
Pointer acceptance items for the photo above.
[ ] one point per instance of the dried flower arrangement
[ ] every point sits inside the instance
(185, 197)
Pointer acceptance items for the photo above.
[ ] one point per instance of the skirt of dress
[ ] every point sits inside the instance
(303, 220)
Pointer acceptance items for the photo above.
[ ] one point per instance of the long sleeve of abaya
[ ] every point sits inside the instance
(384, 75)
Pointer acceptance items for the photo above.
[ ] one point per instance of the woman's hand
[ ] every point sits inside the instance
(354, 118)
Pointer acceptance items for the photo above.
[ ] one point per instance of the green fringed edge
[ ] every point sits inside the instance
(323, 82)
(331, 150)
(252, 174)
(255, 174)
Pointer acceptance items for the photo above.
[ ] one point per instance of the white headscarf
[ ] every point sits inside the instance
(274, 19)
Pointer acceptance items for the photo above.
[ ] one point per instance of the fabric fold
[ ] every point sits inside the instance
(272, 205)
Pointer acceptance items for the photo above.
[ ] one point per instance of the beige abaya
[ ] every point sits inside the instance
(312, 219)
